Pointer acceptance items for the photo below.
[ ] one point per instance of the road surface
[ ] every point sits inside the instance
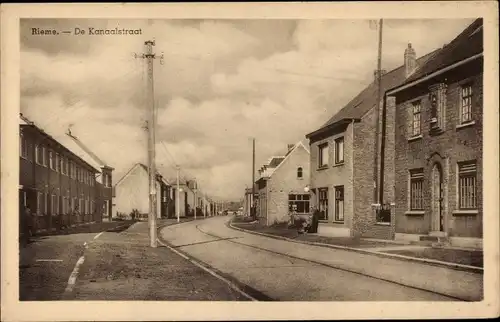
(258, 262)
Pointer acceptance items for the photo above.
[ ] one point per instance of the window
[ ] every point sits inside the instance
(467, 185)
(416, 189)
(87, 206)
(299, 172)
(46, 204)
(39, 202)
(53, 205)
(92, 207)
(80, 206)
(323, 203)
(66, 166)
(58, 164)
(38, 158)
(23, 147)
(73, 204)
(339, 203)
(106, 208)
(323, 155)
(108, 181)
(416, 119)
(43, 156)
(339, 150)
(300, 201)
(466, 104)
(51, 160)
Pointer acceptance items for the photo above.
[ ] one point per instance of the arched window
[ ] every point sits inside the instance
(299, 172)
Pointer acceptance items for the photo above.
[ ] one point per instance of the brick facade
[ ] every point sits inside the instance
(57, 195)
(454, 144)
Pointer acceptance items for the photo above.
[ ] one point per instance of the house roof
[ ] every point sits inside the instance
(296, 146)
(145, 168)
(467, 44)
(65, 141)
(367, 98)
(97, 160)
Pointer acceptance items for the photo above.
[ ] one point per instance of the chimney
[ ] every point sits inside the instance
(375, 73)
(410, 60)
(290, 147)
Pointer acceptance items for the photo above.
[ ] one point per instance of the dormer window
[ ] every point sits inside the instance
(299, 173)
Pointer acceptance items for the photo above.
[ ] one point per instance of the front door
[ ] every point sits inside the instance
(437, 199)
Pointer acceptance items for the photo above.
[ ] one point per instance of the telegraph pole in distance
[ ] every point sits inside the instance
(376, 183)
(150, 56)
(252, 209)
(195, 198)
(177, 197)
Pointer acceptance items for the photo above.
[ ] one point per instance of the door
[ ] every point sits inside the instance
(437, 199)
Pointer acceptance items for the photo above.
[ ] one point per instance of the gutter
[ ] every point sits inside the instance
(434, 74)
(341, 122)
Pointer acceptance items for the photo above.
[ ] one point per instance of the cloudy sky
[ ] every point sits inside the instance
(221, 83)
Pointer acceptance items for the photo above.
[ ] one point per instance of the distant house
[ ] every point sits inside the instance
(132, 192)
(439, 145)
(344, 162)
(282, 184)
(186, 197)
(56, 181)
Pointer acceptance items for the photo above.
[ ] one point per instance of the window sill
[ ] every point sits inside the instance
(338, 222)
(383, 223)
(466, 124)
(325, 221)
(323, 167)
(415, 213)
(465, 212)
(338, 164)
(414, 138)
(436, 131)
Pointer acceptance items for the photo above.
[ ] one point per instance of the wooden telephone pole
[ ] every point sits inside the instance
(150, 56)
(252, 209)
(376, 183)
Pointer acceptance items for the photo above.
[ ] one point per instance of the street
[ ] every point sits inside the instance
(116, 264)
(259, 263)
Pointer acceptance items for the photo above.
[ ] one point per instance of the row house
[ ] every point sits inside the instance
(439, 146)
(344, 160)
(104, 178)
(132, 193)
(55, 183)
(283, 186)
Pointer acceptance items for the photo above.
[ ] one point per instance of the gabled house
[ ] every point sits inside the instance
(132, 193)
(439, 147)
(344, 160)
(282, 184)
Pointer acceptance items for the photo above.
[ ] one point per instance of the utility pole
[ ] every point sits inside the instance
(252, 209)
(177, 197)
(195, 198)
(150, 56)
(377, 118)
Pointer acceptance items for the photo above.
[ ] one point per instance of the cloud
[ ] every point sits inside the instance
(221, 83)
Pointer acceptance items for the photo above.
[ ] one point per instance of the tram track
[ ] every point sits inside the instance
(222, 238)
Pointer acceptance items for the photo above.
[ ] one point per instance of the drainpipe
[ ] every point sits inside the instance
(382, 152)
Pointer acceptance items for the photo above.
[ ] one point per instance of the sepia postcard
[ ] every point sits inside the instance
(249, 161)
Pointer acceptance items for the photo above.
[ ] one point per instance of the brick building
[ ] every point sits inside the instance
(281, 185)
(438, 150)
(344, 162)
(104, 178)
(57, 184)
(132, 192)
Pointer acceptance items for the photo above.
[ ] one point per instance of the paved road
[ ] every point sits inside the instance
(282, 277)
(118, 265)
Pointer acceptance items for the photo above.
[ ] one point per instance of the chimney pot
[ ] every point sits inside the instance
(410, 59)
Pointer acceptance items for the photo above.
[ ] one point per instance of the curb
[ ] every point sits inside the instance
(243, 289)
(459, 267)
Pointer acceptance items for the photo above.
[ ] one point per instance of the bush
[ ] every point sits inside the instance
(135, 214)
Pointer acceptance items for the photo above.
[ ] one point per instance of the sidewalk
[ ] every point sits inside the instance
(466, 257)
(122, 266)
